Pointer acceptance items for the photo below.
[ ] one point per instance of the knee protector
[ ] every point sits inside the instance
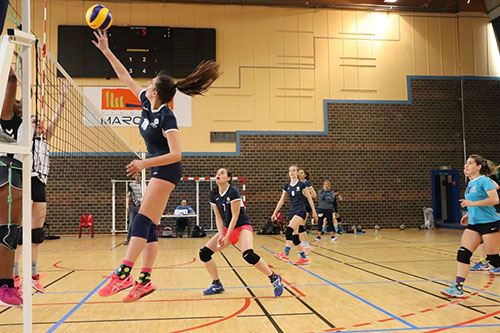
(9, 236)
(288, 233)
(37, 236)
(142, 226)
(302, 229)
(295, 240)
(206, 254)
(153, 233)
(464, 255)
(251, 257)
(493, 260)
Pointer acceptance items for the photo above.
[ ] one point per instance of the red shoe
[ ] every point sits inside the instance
(283, 256)
(37, 285)
(302, 261)
(139, 291)
(116, 285)
(10, 296)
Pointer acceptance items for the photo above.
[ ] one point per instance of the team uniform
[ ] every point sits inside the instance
(308, 206)
(297, 199)
(223, 203)
(13, 129)
(152, 126)
(40, 169)
(483, 220)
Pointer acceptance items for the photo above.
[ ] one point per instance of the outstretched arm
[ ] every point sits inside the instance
(10, 97)
(57, 113)
(120, 70)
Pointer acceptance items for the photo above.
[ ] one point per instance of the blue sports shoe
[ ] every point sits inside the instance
(479, 266)
(453, 291)
(277, 285)
(495, 271)
(214, 289)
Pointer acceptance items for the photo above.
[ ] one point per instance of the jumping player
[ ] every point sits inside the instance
(233, 225)
(296, 191)
(158, 127)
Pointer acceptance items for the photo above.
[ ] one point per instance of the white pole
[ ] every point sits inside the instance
(26, 139)
(126, 210)
(143, 176)
(198, 203)
(211, 213)
(113, 203)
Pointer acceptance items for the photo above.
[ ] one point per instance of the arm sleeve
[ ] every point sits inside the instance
(169, 123)
(142, 97)
(212, 199)
(234, 194)
(488, 185)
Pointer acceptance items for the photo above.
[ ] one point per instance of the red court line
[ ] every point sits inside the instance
(451, 302)
(301, 294)
(56, 265)
(171, 300)
(466, 322)
(242, 309)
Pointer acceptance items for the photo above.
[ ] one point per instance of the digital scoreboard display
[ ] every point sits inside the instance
(144, 51)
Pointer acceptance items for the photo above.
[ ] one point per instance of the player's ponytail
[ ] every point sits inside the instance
(488, 168)
(200, 79)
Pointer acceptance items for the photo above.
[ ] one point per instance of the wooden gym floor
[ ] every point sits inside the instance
(385, 282)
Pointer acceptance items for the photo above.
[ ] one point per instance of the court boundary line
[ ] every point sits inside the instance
(348, 292)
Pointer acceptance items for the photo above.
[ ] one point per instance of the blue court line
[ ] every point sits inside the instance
(67, 315)
(418, 328)
(349, 293)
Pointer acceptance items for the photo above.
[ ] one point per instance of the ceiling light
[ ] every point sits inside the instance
(390, 1)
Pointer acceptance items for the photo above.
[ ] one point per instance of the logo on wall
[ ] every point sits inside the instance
(120, 107)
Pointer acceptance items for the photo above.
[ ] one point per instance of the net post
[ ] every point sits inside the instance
(26, 139)
(113, 210)
(198, 203)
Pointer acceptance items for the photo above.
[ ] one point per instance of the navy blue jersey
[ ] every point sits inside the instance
(223, 203)
(153, 124)
(297, 199)
(308, 185)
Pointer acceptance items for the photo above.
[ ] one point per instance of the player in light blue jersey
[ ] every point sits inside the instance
(482, 220)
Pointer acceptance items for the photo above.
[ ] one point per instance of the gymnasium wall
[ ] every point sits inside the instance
(306, 72)
(280, 64)
(379, 155)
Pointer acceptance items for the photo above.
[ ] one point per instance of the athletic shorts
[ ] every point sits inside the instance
(37, 190)
(301, 214)
(485, 228)
(17, 175)
(308, 208)
(328, 215)
(235, 235)
(171, 172)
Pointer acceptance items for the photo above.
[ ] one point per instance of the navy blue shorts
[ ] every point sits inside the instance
(308, 209)
(302, 214)
(17, 175)
(37, 190)
(171, 172)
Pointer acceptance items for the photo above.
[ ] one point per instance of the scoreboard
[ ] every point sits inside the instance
(144, 51)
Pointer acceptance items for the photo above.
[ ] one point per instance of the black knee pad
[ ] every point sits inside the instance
(464, 255)
(9, 236)
(37, 236)
(251, 257)
(206, 254)
(288, 233)
(493, 260)
(295, 240)
(142, 226)
(302, 229)
(20, 236)
(153, 233)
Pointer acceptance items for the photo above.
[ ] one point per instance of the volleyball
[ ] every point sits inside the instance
(99, 17)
